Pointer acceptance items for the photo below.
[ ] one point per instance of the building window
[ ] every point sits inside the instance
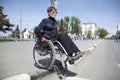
(90, 27)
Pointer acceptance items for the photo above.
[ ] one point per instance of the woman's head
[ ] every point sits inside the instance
(52, 11)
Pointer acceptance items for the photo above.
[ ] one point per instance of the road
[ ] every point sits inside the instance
(16, 58)
(102, 64)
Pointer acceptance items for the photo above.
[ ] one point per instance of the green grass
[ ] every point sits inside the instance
(6, 40)
(10, 40)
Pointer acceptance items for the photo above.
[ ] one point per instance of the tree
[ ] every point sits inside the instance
(16, 32)
(75, 22)
(61, 25)
(103, 32)
(68, 24)
(80, 31)
(5, 24)
(67, 20)
(89, 34)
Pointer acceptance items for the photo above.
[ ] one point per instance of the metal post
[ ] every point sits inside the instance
(21, 18)
(54, 3)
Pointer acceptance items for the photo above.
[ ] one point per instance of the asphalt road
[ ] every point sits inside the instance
(102, 64)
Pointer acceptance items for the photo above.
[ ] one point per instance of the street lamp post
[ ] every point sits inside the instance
(21, 19)
(54, 3)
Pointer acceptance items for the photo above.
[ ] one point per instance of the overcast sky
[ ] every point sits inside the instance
(105, 13)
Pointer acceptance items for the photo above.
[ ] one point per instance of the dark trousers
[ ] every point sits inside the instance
(67, 43)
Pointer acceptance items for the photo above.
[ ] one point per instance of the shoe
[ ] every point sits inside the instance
(76, 56)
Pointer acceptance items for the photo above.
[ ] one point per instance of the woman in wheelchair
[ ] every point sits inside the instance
(48, 29)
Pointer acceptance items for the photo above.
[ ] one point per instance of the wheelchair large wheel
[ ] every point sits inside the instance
(44, 59)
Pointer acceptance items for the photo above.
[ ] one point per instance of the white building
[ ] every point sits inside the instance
(31, 34)
(92, 27)
(26, 34)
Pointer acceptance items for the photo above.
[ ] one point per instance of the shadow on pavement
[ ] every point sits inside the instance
(63, 72)
(40, 75)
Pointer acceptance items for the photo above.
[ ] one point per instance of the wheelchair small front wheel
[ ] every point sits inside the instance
(43, 59)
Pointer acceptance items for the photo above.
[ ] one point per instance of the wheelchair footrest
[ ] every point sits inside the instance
(76, 57)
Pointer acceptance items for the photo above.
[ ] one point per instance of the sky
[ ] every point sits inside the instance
(105, 13)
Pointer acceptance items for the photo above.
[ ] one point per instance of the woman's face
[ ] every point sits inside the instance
(52, 13)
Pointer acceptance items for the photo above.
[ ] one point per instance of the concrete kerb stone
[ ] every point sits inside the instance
(95, 45)
(91, 48)
(23, 76)
(75, 78)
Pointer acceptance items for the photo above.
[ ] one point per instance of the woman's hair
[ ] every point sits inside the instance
(51, 8)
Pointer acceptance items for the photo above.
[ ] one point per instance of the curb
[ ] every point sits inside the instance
(94, 46)
(75, 78)
(24, 76)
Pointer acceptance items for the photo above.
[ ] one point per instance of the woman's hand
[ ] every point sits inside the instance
(43, 39)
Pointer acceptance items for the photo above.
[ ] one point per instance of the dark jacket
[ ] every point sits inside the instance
(47, 28)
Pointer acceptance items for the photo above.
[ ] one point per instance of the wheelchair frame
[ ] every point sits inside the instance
(53, 54)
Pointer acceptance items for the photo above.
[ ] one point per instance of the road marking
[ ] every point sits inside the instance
(91, 48)
(19, 77)
(95, 45)
(119, 65)
(75, 78)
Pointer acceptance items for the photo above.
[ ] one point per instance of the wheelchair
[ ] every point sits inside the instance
(46, 53)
